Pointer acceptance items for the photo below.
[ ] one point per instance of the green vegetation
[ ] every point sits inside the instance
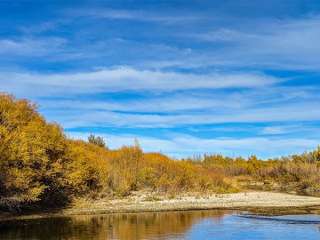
(40, 167)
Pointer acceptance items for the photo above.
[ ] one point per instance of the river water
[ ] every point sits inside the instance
(165, 225)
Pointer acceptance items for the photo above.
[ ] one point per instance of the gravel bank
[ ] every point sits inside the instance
(216, 201)
(143, 203)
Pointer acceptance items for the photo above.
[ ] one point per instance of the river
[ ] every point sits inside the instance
(211, 224)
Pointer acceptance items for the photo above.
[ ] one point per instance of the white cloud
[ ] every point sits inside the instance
(136, 15)
(163, 109)
(31, 46)
(41, 27)
(285, 44)
(272, 104)
(98, 118)
(125, 79)
(155, 104)
(275, 130)
(260, 44)
(279, 44)
(186, 145)
(304, 129)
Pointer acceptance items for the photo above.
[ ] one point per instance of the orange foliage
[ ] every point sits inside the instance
(39, 165)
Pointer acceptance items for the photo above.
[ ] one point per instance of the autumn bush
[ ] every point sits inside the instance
(297, 173)
(125, 165)
(163, 174)
(41, 167)
(31, 154)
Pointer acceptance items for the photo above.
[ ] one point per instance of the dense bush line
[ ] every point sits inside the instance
(298, 173)
(41, 167)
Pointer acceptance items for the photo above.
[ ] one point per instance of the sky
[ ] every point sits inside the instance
(183, 77)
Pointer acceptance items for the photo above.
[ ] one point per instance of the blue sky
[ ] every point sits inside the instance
(183, 77)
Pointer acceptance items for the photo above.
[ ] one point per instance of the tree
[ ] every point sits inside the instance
(31, 154)
(97, 140)
(39, 165)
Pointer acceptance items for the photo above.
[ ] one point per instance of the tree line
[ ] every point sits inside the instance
(40, 167)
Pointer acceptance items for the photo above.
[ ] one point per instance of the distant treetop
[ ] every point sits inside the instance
(97, 140)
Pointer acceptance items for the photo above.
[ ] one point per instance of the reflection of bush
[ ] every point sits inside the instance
(113, 226)
(152, 225)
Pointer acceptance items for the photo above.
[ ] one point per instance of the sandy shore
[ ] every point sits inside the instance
(141, 203)
(216, 201)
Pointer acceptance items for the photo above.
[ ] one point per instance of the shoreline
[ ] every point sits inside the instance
(245, 201)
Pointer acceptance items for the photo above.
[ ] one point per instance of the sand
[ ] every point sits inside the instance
(141, 202)
(215, 201)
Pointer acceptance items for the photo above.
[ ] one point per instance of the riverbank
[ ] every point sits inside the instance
(142, 202)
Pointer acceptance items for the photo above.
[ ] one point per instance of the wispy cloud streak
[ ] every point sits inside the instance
(127, 79)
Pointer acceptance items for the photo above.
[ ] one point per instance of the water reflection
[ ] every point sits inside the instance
(116, 226)
(165, 225)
